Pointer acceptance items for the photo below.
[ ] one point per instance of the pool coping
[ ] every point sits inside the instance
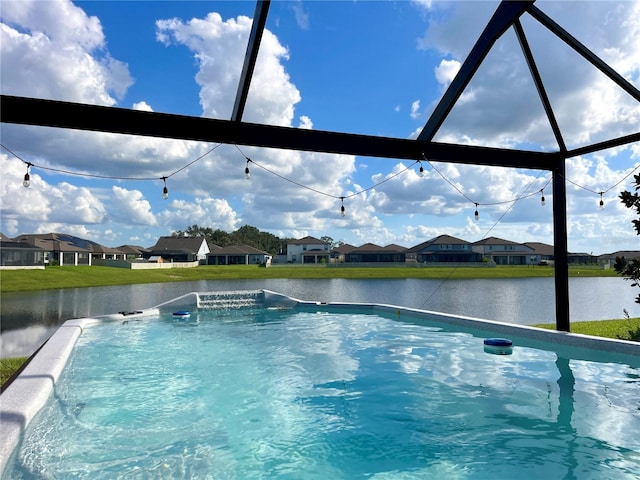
(32, 388)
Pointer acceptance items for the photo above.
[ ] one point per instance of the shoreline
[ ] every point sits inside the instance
(98, 276)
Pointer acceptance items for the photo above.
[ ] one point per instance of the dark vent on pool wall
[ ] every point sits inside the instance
(230, 300)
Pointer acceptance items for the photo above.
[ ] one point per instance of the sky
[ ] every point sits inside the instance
(374, 68)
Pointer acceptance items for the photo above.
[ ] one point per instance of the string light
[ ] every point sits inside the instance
(27, 179)
(165, 190)
(165, 193)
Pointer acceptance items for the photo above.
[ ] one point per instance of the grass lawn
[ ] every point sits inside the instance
(85, 276)
(8, 366)
(624, 329)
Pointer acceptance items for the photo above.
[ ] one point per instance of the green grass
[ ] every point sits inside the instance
(85, 276)
(625, 329)
(8, 367)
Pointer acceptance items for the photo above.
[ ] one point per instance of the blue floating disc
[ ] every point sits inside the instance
(181, 313)
(498, 342)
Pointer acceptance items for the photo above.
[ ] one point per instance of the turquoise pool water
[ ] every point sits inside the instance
(292, 394)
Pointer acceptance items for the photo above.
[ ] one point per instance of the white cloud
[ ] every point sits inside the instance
(302, 17)
(142, 106)
(305, 123)
(415, 109)
(44, 203)
(57, 52)
(446, 71)
(129, 206)
(179, 214)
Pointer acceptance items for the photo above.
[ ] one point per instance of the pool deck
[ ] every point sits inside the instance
(30, 391)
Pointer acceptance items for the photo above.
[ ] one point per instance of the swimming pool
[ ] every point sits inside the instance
(331, 391)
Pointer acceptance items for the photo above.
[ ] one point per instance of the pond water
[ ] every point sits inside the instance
(28, 318)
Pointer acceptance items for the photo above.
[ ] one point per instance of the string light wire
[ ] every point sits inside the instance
(109, 177)
(320, 192)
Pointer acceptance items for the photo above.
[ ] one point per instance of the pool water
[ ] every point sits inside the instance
(293, 394)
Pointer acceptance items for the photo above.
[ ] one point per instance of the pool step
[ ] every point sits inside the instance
(230, 300)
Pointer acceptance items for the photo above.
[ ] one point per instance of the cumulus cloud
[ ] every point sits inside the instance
(446, 71)
(202, 211)
(57, 52)
(130, 206)
(43, 203)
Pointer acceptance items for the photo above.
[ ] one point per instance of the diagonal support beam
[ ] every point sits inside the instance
(255, 37)
(585, 52)
(504, 16)
(537, 79)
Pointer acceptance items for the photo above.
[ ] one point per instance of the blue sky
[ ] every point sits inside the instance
(376, 68)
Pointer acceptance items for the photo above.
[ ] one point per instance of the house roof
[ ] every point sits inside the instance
(131, 249)
(540, 248)
(373, 248)
(307, 240)
(185, 244)
(495, 241)
(238, 250)
(344, 248)
(13, 245)
(439, 240)
(59, 242)
(627, 254)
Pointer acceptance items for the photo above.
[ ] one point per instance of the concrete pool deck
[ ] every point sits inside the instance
(30, 391)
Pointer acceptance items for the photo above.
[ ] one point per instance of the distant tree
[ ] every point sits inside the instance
(245, 235)
(328, 240)
(631, 269)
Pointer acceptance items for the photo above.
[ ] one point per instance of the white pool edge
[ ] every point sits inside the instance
(29, 392)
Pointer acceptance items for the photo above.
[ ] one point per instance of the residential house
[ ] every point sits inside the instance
(61, 248)
(100, 252)
(19, 255)
(238, 255)
(608, 260)
(338, 253)
(131, 252)
(443, 249)
(505, 252)
(372, 253)
(307, 250)
(180, 249)
(544, 250)
(581, 258)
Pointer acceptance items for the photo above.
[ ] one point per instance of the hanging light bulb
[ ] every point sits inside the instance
(342, 211)
(165, 190)
(601, 201)
(421, 171)
(476, 214)
(247, 173)
(542, 201)
(27, 178)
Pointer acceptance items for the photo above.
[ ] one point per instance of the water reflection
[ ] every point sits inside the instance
(521, 301)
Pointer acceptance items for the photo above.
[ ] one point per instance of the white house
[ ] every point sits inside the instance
(307, 250)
